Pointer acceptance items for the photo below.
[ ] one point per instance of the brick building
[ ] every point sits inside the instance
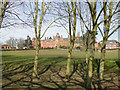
(111, 44)
(58, 41)
(5, 46)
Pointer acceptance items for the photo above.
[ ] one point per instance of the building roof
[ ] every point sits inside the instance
(66, 39)
(110, 41)
(5, 45)
(61, 38)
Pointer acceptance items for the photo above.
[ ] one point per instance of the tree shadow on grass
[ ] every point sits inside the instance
(118, 63)
(18, 70)
(51, 76)
(55, 79)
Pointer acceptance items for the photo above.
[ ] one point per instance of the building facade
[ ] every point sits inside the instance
(111, 44)
(58, 41)
(5, 46)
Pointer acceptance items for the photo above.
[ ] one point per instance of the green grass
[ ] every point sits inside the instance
(59, 53)
(19, 64)
(51, 56)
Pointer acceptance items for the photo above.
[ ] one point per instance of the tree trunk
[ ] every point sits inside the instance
(91, 58)
(101, 68)
(106, 32)
(86, 54)
(102, 65)
(72, 40)
(35, 74)
(2, 11)
(68, 62)
(87, 38)
(90, 69)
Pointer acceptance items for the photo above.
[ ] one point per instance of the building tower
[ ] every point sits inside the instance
(57, 40)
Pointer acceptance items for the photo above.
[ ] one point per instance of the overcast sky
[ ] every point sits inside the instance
(23, 31)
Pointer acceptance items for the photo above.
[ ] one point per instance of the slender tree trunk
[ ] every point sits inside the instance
(86, 46)
(101, 68)
(35, 74)
(86, 54)
(70, 48)
(106, 32)
(90, 68)
(68, 62)
(92, 47)
(91, 58)
(72, 40)
(102, 64)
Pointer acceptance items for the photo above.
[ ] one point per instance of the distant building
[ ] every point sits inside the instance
(5, 47)
(111, 44)
(58, 41)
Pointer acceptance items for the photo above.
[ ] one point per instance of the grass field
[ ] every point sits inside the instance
(17, 68)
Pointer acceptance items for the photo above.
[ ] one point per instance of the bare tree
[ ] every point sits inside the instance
(93, 11)
(12, 42)
(72, 29)
(67, 12)
(85, 33)
(108, 23)
(38, 11)
(20, 43)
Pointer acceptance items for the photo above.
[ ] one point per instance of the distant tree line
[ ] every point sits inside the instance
(19, 43)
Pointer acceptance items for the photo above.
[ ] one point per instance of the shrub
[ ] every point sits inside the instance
(78, 47)
(64, 47)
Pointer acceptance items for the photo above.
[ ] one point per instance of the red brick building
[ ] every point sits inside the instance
(5, 47)
(111, 44)
(58, 41)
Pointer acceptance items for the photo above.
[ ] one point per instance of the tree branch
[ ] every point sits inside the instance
(100, 12)
(114, 31)
(100, 31)
(49, 26)
(81, 17)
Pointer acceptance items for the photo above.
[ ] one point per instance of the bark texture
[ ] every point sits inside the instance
(72, 39)
(3, 7)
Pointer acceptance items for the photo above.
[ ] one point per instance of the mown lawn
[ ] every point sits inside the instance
(113, 54)
(20, 63)
(48, 56)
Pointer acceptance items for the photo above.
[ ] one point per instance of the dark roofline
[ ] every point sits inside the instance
(5, 45)
(109, 41)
